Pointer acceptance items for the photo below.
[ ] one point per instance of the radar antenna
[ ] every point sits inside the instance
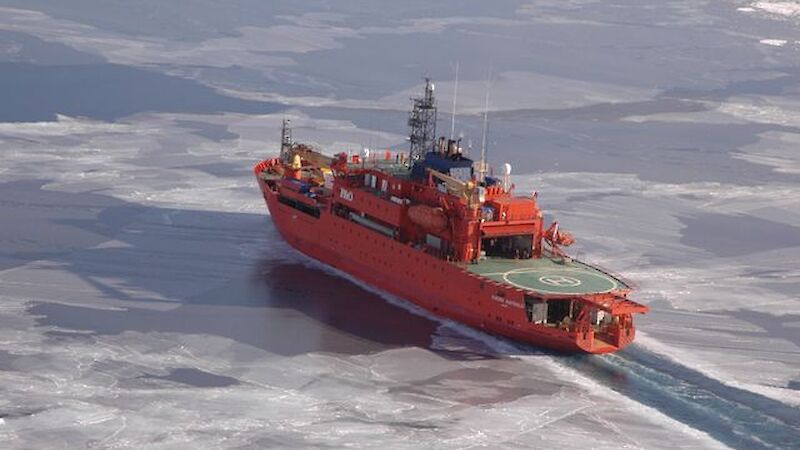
(422, 121)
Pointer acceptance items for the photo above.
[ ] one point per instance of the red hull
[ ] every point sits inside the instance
(440, 287)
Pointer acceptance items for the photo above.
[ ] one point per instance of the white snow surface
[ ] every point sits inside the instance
(774, 42)
(789, 9)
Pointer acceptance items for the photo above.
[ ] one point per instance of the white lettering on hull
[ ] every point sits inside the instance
(346, 194)
(507, 302)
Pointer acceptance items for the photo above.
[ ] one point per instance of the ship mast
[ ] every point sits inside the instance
(286, 140)
(422, 121)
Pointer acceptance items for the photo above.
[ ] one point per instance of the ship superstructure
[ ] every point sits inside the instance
(432, 226)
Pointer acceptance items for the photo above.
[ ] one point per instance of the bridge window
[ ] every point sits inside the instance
(516, 247)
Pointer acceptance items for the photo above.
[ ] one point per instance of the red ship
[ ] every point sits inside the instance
(433, 227)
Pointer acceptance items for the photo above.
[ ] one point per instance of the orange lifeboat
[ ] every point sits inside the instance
(428, 217)
(555, 236)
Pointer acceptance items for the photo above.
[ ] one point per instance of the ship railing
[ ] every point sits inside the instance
(261, 166)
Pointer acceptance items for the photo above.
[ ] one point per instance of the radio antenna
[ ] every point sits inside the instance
(482, 169)
(455, 97)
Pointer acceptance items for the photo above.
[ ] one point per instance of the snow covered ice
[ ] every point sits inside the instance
(146, 300)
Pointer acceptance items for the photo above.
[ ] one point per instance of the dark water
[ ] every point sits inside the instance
(286, 309)
(21, 47)
(195, 377)
(206, 19)
(33, 92)
(40, 224)
(278, 305)
(728, 235)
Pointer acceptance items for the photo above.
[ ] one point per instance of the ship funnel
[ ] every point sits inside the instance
(506, 176)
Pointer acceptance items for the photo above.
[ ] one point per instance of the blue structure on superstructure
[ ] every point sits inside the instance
(448, 158)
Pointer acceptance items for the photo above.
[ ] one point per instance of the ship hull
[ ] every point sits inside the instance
(438, 286)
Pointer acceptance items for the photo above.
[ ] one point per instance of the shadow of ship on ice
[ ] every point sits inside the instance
(153, 269)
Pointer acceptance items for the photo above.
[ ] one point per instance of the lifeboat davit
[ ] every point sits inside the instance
(429, 218)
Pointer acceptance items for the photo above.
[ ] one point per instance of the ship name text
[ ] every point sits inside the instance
(507, 302)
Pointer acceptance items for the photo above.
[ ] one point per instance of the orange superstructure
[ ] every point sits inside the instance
(430, 228)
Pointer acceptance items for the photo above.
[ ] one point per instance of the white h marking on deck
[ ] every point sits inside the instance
(560, 281)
